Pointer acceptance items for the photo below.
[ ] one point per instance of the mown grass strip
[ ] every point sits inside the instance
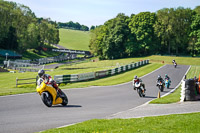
(179, 123)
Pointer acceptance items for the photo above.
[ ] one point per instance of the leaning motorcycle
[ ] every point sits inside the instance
(175, 64)
(140, 89)
(160, 85)
(49, 95)
(167, 83)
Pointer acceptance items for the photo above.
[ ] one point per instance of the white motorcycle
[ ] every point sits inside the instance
(140, 89)
(175, 64)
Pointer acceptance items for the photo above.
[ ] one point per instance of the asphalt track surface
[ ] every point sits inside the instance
(26, 113)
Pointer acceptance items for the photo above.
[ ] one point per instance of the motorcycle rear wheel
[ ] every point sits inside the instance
(47, 99)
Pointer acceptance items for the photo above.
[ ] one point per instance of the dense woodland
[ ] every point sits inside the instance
(20, 29)
(171, 31)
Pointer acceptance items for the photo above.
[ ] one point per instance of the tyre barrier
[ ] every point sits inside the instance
(188, 90)
(182, 91)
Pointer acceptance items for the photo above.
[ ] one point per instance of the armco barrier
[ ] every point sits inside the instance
(94, 75)
(62, 78)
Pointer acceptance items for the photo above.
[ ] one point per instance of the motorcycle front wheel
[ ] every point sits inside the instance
(139, 91)
(167, 86)
(47, 99)
(65, 99)
(161, 88)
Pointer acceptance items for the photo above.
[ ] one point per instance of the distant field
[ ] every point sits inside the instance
(74, 39)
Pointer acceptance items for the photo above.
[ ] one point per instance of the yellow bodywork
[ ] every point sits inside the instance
(43, 87)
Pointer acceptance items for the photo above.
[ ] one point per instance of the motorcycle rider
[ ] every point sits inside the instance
(174, 62)
(167, 77)
(136, 79)
(48, 80)
(160, 79)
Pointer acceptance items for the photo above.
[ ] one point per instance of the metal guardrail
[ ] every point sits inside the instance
(17, 81)
(94, 75)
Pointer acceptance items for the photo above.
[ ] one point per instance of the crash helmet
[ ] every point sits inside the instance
(135, 77)
(166, 75)
(41, 73)
(159, 76)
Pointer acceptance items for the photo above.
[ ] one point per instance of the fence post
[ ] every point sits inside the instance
(16, 82)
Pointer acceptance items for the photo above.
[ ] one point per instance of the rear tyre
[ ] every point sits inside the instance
(47, 99)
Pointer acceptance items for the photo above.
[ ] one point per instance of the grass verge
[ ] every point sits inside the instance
(179, 123)
(171, 98)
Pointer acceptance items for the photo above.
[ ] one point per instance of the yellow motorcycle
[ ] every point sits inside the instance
(49, 95)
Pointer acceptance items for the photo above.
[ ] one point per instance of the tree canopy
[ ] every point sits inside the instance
(20, 29)
(172, 31)
(72, 25)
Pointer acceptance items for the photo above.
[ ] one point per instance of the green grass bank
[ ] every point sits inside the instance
(179, 123)
(74, 39)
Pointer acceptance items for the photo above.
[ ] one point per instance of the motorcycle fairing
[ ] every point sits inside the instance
(43, 87)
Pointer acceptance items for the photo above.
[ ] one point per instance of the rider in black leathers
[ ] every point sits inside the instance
(160, 79)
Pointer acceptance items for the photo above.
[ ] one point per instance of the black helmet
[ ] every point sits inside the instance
(41, 73)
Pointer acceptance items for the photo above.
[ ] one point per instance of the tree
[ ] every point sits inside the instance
(162, 30)
(108, 40)
(142, 26)
(197, 10)
(72, 25)
(172, 29)
(194, 45)
(181, 21)
(20, 29)
(92, 27)
(96, 42)
(84, 28)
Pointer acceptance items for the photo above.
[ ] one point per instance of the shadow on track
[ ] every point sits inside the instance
(149, 97)
(67, 106)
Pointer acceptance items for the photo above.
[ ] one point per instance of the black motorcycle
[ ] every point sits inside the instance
(160, 85)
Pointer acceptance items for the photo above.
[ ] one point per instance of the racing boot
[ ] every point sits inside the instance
(60, 93)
